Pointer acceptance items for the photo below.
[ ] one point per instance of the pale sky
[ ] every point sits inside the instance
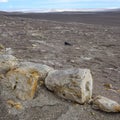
(57, 4)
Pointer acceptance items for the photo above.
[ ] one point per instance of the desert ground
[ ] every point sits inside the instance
(94, 43)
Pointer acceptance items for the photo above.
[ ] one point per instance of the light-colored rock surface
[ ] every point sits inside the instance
(23, 82)
(106, 104)
(5, 51)
(72, 84)
(24, 79)
(42, 69)
(1, 48)
(8, 51)
(7, 62)
(14, 104)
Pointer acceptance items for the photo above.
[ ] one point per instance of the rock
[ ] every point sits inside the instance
(1, 47)
(7, 62)
(72, 61)
(67, 43)
(42, 69)
(72, 84)
(2, 76)
(108, 86)
(23, 82)
(105, 104)
(24, 79)
(5, 51)
(77, 48)
(8, 51)
(34, 45)
(14, 104)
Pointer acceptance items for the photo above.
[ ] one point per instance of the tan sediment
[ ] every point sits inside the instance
(14, 104)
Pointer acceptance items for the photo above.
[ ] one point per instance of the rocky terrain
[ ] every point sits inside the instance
(92, 46)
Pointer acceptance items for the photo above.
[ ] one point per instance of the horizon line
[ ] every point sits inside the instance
(62, 10)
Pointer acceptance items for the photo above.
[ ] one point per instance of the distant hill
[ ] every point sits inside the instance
(106, 17)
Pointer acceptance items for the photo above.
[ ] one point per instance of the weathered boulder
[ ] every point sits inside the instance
(7, 62)
(24, 79)
(72, 84)
(105, 104)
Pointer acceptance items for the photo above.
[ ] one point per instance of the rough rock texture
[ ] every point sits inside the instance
(24, 79)
(4, 113)
(72, 84)
(14, 104)
(106, 104)
(7, 62)
(42, 69)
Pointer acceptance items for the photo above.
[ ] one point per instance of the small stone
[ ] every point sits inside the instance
(92, 113)
(8, 51)
(43, 51)
(1, 47)
(108, 86)
(77, 48)
(7, 62)
(34, 45)
(14, 104)
(105, 104)
(24, 79)
(72, 61)
(2, 76)
(67, 43)
(41, 83)
(118, 91)
(5, 51)
(72, 84)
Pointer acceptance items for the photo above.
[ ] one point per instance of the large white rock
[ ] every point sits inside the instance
(72, 84)
(105, 104)
(24, 79)
(7, 62)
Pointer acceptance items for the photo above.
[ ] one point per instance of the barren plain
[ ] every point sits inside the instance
(94, 43)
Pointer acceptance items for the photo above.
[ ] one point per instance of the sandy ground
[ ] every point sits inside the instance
(93, 46)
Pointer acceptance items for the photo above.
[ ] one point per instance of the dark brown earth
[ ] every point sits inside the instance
(95, 44)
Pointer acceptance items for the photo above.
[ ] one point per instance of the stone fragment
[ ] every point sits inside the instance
(105, 104)
(108, 86)
(14, 104)
(72, 84)
(2, 76)
(118, 91)
(7, 62)
(77, 48)
(5, 51)
(34, 45)
(8, 51)
(1, 47)
(24, 79)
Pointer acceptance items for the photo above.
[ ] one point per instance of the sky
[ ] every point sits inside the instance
(9, 5)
